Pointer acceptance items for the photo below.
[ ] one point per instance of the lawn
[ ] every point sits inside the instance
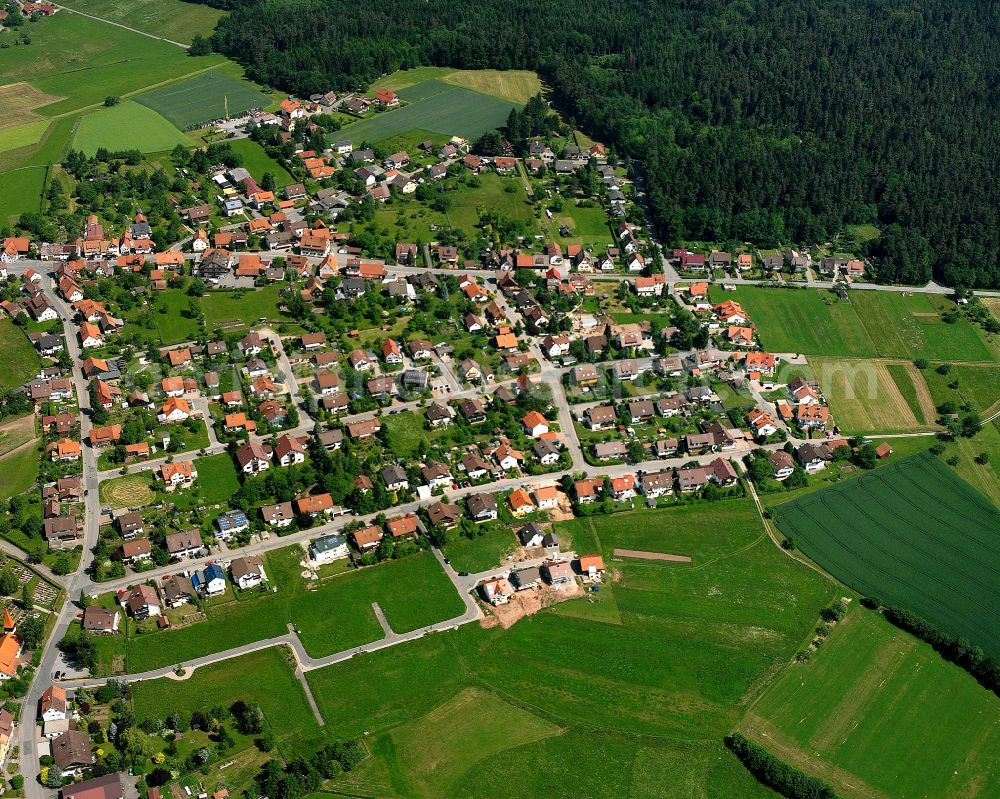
(172, 316)
(913, 534)
(130, 491)
(866, 397)
(273, 686)
(83, 61)
(126, 126)
(236, 308)
(878, 713)
(171, 19)
(435, 106)
(217, 480)
(20, 193)
(483, 552)
(20, 361)
(332, 617)
(407, 432)
(257, 162)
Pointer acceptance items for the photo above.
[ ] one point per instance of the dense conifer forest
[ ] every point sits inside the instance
(761, 120)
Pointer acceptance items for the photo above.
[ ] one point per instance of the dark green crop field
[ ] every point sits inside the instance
(913, 534)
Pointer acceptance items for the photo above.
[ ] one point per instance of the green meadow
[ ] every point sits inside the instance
(869, 324)
(171, 19)
(877, 713)
(124, 127)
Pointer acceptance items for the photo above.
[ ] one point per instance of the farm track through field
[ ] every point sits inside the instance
(125, 27)
(923, 393)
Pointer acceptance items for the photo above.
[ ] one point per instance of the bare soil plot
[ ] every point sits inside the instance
(19, 101)
(640, 555)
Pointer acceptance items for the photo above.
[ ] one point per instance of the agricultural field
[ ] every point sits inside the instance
(126, 126)
(870, 324)
(202, 98)
(810, 322)
(515, 85)
(869, 396)
(878, 713)
(20, 361)
(257, 162)
(13, 138)
(913, 534)
(82, 61)
(910, 326)
(171, 19)
(20, 193)
(435, 106)
(643, 683)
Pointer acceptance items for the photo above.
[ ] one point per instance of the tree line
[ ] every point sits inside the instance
(785, 779)
(959, 651)
(779, 121)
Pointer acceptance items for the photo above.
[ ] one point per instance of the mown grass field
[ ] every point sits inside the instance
(489, 194)
(257, 162)
(20, 100)
(913, 534)
(976, 386)
(202, 98)
(127, 126)
(870, 324)
(235, 308)
(14, 138)
(333, 616)
(171, 19)
(866, 396)
(434, 750)
(877, 713)
(130, 491)
(435, 106)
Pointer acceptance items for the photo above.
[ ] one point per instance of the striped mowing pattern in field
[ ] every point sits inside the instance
(913, 534)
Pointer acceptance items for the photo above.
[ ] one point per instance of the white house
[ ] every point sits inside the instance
(328, 549)
(248, 572)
